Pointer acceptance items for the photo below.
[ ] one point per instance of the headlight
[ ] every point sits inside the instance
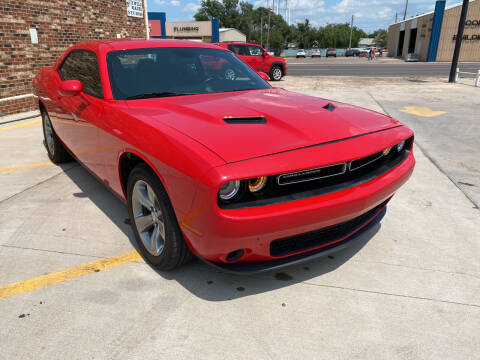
(386, 151)
(400, 146)
(229, 190)
(257, 184)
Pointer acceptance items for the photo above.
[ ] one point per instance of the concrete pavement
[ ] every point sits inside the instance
(410, 292)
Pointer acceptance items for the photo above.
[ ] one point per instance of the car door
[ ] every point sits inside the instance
(81, 114)
(256, 58)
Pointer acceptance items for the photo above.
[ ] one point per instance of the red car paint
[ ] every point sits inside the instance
(193, 152)
(263, 63)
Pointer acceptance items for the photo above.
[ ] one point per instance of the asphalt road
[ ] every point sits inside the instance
(334, 67)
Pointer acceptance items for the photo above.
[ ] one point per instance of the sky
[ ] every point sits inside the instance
(369, 15)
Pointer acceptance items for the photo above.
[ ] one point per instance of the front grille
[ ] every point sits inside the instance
(357, 164)
(311, 174)
(319, 181)
(323, 236)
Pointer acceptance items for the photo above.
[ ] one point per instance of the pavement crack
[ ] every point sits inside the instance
(439, 167)
(392, 294)
(378, 103)
(39, 183)
(51, 251)
(418, 268)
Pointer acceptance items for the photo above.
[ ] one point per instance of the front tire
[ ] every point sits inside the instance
(276, 73)
(153, 221)
(55, 149)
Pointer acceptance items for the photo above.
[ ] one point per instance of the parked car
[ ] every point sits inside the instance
(331, 52)
(301, 53)
(363, 52)
(316, 53)
(258, 58)
(352, 52)
(411, 58)
(244, 176)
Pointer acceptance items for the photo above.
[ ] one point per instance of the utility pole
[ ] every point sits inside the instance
(351, 30)
(396, 17)
(268, 31)
(405, 13)
(458, 41)
(261, 30)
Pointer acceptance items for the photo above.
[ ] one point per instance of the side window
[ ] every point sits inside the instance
(238, 49)
(255, 51)
(82, 65)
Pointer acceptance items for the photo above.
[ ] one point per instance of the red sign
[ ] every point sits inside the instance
(155, 27)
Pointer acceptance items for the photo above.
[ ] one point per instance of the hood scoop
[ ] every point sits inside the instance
(329, 107)
(245, 120)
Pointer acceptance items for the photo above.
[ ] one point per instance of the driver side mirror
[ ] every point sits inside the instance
(70, 88)
(263, 75)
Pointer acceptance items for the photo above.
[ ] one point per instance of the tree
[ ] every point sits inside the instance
(242, 16)
(380, 36)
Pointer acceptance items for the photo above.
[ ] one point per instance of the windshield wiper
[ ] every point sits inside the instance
(156, 95)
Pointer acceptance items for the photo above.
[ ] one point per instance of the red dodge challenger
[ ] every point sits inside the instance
(220, 164)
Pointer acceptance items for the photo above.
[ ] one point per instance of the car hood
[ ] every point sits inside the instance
(292, 120)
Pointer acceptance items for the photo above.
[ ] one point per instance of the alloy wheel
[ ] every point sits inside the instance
(49, 136)
(148, 217)
(277, 73)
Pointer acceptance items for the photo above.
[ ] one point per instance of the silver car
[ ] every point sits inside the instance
(316, 52)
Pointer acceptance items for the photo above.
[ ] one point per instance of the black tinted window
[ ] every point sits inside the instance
(239, 49)
(158, 72)
(83, 66)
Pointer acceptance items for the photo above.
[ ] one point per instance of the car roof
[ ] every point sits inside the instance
(237, 43)
(124, 44)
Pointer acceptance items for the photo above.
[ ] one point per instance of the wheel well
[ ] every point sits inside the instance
(128, 161)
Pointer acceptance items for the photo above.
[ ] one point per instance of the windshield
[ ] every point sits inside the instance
(162, 72)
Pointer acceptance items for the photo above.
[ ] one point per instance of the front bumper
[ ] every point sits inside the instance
(364, 233)
(212, 233)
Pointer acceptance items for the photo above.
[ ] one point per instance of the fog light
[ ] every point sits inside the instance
(257, 184)
(229, 190)
(387, 151)
(400, 146)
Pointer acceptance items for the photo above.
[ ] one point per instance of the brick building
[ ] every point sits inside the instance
(33, 33)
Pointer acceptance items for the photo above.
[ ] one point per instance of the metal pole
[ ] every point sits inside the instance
(146, 18)
(396, 18)
(351, 29)
(261, 30)
(458, 42)
(406, 7)
(268, 32)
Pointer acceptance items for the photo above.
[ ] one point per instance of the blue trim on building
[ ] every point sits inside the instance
(163, 18)
(436, 30)
(215, 30)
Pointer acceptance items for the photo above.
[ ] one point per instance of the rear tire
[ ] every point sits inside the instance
(153, 221)
(55, 149)
(276, 73)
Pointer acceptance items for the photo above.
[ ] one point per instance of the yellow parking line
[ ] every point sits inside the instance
(67, 274)
(30, 123)
(31, 166)
(421, 111)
